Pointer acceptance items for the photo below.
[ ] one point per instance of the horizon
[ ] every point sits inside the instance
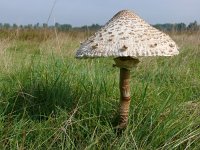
(78, 13)
(52, 25)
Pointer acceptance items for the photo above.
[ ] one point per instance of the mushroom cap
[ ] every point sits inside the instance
(126, 34)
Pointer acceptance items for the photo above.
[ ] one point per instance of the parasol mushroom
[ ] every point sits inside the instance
(126, 38)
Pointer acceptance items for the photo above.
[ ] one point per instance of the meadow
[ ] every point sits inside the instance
(50, 100)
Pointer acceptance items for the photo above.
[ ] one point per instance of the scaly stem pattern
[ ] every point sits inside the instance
(124, 97)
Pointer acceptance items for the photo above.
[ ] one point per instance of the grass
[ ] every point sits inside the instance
(49, 100)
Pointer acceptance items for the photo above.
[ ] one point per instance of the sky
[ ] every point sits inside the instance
(87, 12)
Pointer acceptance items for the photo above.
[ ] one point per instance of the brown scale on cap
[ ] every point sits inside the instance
(171, 45)
(124, 48)
(95, 46)
(153, 45)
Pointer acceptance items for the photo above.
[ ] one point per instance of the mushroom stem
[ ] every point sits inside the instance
(125, 98)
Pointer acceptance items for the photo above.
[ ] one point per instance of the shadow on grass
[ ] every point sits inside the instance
(41, 99)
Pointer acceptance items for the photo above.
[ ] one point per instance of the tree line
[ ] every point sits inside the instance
(60, 27)
(178, 27)
(167, 27)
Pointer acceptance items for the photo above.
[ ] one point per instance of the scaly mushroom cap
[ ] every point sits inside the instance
(126, 34)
